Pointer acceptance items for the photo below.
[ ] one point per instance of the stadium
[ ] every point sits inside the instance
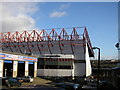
(58, 53)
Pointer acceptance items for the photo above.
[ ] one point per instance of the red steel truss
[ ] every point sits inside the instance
(40, 37)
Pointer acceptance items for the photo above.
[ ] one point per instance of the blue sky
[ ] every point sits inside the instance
(100, 18)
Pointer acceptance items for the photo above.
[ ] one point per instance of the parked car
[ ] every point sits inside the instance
(106, 85)
(88, 87)
(10, 82)
(4, 80)
(27, 79)
(90, 84)
(68, 86)
(20, 79)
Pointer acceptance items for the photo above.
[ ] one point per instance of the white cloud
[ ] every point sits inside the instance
(17, 16)
(20, 22)
(58, 14)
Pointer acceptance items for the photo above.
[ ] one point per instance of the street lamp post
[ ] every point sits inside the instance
(118, 47)
(98, 72)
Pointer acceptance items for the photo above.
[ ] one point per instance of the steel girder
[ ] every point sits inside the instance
(39, 39)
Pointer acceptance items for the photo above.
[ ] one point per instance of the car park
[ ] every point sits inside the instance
(27, 79)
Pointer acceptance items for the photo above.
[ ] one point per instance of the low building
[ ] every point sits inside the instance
(17, 65)
(106, 68)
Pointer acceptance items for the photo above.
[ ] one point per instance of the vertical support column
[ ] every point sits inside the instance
(15, 68)
(26, 68)
(35, 69)
(1, 68)
(88, 64)
(73, 73)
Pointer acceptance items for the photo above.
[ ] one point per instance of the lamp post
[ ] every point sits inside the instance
(98, 71)
(118, 47)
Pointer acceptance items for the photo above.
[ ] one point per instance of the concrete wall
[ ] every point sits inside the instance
(35, 69)
(26, 68)
(15, 68)
(83, 67)
(1, 68)
(54, 72)
(80, 69)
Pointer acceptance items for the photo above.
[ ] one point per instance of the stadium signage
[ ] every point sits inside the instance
(17, 57)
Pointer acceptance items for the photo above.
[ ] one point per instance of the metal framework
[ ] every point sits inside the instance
(26, 39)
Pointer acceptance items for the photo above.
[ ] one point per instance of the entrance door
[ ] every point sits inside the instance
(21, 68)
(8, 68)
(31, 69)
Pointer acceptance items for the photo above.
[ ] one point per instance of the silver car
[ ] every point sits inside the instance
(28, 79)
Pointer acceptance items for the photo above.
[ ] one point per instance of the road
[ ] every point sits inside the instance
(38, 87)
